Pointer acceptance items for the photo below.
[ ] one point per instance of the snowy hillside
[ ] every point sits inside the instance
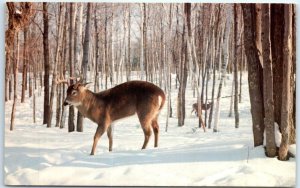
(36, 155)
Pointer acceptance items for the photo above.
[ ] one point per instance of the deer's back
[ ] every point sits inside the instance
(123, 99)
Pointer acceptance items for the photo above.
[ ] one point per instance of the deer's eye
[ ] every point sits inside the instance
(74, 92)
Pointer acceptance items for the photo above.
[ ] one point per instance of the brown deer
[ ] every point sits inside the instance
(140, 97)
(203, 107)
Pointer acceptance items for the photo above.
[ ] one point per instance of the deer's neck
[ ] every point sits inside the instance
(89, 102)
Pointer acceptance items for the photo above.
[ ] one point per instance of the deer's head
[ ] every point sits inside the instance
(75, 94)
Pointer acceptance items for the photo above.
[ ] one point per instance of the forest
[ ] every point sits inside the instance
(195, 48)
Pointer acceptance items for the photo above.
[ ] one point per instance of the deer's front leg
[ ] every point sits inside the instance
(100, 130)
(110, 137)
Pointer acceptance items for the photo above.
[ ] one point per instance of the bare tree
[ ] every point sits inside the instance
(16, 22)
(254, 73)
(236, 58)
(15, 70)
(71, 126)
(24, 75)
(225, 49)
(54, 73)
(268, 81)
(85, 58)
(46, 64)
(286, 90)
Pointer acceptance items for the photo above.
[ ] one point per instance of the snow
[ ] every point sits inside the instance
(36, 155)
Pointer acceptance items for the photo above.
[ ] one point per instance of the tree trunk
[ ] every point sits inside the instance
(96, 87)
(24, 75)
(142, 69)
(71, 126)
(258, 30)
(254, 74)
(231, 98)
(112, 52)
(128, 43)
(217, 56)
(241, 72)
(78, 40)
(268, 82)
(225, 50)
(63, 70)
(85, 58)
(16, 22)
(105, 48)
(54, 74)
(235, 73)
(15, 70)
(286, 89)
(46, 63)
(277, 31)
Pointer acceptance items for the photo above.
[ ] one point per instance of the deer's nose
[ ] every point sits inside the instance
(66, 103)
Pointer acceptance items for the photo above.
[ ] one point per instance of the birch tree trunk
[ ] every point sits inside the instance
(63, 70)
(217, 56)
(78, 40)
(54, 74)
(225, 49)
(169, 71)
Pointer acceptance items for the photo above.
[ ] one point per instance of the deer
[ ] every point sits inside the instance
(103, 108)
(203, 107)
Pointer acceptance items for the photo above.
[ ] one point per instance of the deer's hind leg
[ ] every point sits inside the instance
(155, 128)
(145, 120)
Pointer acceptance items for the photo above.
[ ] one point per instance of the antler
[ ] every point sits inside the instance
(62, 81)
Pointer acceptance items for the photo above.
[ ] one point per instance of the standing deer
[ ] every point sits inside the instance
(203, 107)
(140, 97)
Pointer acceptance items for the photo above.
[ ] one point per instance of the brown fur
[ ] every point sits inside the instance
(203, 107)
(119, 102)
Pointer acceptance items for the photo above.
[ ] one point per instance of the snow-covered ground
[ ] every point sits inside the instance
(36, 155)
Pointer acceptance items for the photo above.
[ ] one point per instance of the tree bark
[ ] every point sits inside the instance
(46, 64)
(24, 75)
(85, 59)
(16, 22)
(268, 82)
(15, 70)
(235, 73)
(225, 50)
(286, 89)
(128, 43)
(277, 32)
(254, 74)
(54, 74)
(71, 125)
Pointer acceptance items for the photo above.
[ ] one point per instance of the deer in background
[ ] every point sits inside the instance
(203, 107)
(140, 97)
